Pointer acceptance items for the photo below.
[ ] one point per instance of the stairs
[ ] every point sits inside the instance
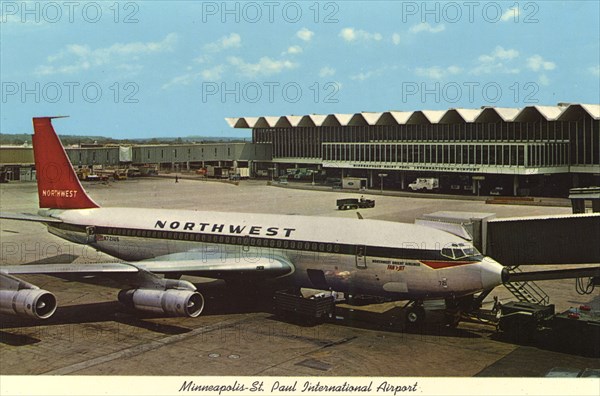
(527, 291)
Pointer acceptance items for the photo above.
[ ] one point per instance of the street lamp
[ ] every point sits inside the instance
(272, 173)
(381, 176)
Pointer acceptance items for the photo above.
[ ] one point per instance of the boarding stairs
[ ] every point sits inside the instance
(526, 291)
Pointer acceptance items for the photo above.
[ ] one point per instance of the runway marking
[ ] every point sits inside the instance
(139, 349)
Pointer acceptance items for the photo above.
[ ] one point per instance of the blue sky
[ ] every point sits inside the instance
(148, 69)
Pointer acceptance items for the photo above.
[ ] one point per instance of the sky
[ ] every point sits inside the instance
(136, 69)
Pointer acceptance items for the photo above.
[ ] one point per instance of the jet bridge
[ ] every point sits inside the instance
(552, 239)
(557, 239)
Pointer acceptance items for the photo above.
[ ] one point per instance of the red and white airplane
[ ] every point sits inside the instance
(158, 246)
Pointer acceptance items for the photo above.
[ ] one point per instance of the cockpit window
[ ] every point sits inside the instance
(459, 251)
(447, 252)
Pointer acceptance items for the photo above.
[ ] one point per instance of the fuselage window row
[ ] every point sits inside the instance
(243, 241)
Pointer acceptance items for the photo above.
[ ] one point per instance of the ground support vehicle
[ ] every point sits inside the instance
(354, 203)
(315, 308)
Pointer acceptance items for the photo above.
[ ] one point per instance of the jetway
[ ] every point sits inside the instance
(552, 239)
(557, 239)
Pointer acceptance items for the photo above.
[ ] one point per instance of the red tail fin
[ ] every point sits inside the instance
(58, 185)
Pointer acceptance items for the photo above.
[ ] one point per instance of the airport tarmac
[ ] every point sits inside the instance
(92, 334)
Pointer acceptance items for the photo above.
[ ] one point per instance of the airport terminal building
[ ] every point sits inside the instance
(537, 150)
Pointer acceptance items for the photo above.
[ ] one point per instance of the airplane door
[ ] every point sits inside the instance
(317, 278)
(90, 232)
(361, 256)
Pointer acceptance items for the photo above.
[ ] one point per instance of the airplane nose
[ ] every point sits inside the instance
(492, 273)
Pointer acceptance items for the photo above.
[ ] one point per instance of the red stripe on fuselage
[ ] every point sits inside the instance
(446, 264)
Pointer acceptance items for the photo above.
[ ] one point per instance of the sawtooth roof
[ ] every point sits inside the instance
(560, 112)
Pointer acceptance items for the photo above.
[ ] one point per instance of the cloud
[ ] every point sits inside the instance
(184, 79)
(426, 27)
(537, 63)
(396, 38)
(436, 72)
(497, 62)
(544, 80)
(213, 73)
(305, 34)
(499, 53)
(326, 71)
(594, 70)
(79, 57)
(293, 50)
(202, 59)
(362, 76)
(234, 40)
(352, 35)
(265, 66)
(511, 14)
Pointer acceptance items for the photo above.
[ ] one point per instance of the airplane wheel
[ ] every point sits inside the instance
(452, 319)
(415, 316)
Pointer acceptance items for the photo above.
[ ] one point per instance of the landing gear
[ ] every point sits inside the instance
(415, 315)
(452, 318)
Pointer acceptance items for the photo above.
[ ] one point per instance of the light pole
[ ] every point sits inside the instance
(313, 177)
(272, 174)
(381, 176)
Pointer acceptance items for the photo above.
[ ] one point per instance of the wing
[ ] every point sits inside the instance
(150, 292)
(188, 263)
(29, 217)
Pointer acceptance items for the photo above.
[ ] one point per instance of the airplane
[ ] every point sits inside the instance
(156, 247)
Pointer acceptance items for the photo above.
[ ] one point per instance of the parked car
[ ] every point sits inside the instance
(497, 191)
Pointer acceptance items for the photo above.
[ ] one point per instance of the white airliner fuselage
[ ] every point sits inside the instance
(381, 258)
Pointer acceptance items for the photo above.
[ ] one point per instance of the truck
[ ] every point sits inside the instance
(243, 173)
(425, 184)
(354, 203)
(222, 173)
(210, 171)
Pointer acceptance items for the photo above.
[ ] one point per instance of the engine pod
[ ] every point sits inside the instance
(171, 302)
(33, 303)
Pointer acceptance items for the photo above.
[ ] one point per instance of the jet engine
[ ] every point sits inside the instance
(21, 298)
(171, 301)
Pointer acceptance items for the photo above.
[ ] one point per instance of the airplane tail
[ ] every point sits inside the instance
(58, 185)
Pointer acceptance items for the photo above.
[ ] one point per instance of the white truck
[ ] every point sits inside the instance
(425, 183)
